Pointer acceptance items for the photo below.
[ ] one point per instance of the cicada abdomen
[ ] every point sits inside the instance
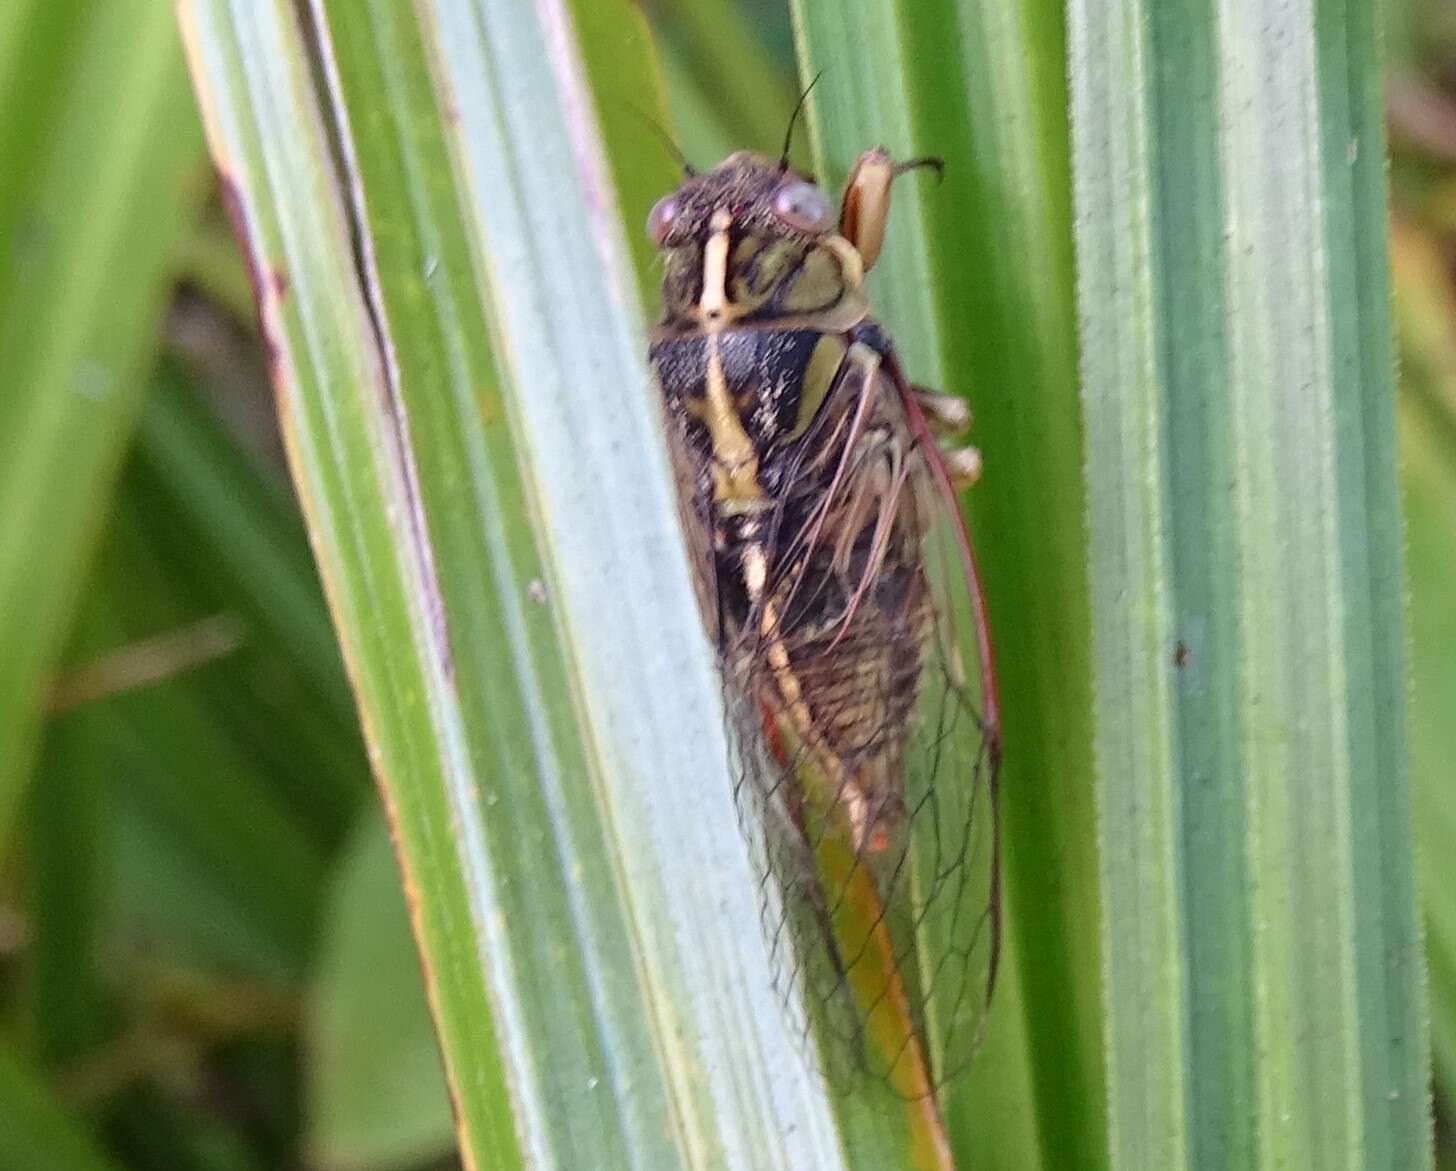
(839, 586)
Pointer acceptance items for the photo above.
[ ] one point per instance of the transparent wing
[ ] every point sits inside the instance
(857, 691)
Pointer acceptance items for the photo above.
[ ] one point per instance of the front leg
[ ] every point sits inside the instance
(865, 210)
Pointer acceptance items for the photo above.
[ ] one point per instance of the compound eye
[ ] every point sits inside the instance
(660, 218)
(802, 206)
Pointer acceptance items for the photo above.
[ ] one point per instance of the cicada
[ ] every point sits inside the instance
(839, 587)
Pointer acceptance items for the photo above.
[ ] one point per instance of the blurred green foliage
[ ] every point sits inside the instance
(203, 961)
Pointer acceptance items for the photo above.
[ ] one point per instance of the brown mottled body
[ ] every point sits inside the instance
(811, 486)
(769, 363)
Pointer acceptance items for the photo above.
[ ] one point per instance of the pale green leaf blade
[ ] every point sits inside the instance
(265, 130)
(1264, 972)
(553, 270)
(557, 882)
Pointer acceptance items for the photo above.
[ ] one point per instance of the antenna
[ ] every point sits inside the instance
(793, 118)
(666, 139)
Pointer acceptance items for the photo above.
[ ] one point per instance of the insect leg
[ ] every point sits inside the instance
(962, 465)
(947, 414)
(866, 206)
(865, 210)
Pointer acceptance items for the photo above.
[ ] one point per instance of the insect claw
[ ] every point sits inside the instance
(930, 162)
(963, 465)
(947, 414)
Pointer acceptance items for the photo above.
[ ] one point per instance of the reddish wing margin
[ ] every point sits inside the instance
(990, 693)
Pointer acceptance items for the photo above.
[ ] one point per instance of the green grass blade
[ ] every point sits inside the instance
(103, 166)
(242, 530)
(1430, 482)
(750, 95)
(554, 772)
(1263, 962)
(975, 285)
(206, 713)
(36, 1130)
(230, 543)
(265, 130)
(1425, 308)
(66, 827)
(376, 1096)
